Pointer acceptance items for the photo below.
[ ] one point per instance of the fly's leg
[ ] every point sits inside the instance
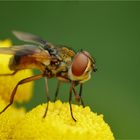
(70, 99)
(48, 97)
(77, 97)
(57, 90)
(29, 79)
(80, 94)
(9, 74)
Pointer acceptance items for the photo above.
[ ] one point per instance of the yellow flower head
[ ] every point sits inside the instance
(58, 124)
(7, 83)
(8, 120)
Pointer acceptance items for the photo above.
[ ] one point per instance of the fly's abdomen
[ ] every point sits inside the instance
(13, 63)
(30, 60)
(18, 62)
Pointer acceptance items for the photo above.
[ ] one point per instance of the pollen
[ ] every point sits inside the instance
(8, 120)
(7, 83)
(58, 124)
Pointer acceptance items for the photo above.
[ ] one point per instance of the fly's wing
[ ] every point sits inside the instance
(27, 57)
(6, 51)
(27, 37)
(25, 49)
(34, 52)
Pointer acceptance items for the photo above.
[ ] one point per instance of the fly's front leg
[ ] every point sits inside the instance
(29, 79)
(77, 97)
(70, 99)
(80, 94)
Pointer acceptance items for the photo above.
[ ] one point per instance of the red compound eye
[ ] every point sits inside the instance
(79, 64)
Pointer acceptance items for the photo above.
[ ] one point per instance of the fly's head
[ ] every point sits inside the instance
(82, 66)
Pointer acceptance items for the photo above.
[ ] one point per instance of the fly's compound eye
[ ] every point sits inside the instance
(79, 64)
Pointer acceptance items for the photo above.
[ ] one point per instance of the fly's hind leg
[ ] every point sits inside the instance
(80, 94)
(9, 74)
(70, 100)
(29, 79)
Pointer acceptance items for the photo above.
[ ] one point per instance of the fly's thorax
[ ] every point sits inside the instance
(42, 57)
(61, 62)
(65, 54)
(81, 67)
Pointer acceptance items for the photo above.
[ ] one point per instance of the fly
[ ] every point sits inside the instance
(57, 61)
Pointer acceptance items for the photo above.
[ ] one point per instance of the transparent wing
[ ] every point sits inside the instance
(21, 49)
(6, 51)
(27, 37)
(32, 52)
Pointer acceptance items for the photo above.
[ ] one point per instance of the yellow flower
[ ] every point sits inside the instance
(58, 124)
(5, 43)
(7, 83)
(8, 120)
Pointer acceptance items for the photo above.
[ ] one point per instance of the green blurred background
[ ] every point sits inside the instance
(110, 31)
